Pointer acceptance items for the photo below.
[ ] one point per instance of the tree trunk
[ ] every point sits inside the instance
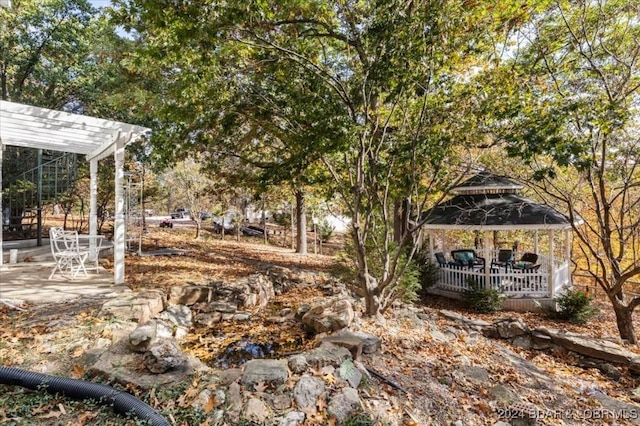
(624, 320)
(264, 221)
(400, 219)
(198, 228)
(371, 298)
(397, 220)
(293, 231)
(301, 216)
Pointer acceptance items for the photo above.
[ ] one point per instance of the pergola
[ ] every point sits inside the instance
(486, 203)
(41, 128)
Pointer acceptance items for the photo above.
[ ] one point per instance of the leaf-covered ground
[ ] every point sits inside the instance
(53, 339)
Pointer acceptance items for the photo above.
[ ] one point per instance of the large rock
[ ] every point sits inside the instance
(509, 328)
(487, 329)
(269, 371)
(297, 363)
(593, 348)
(370, 343)
(179, 315)
(349, 372)
(329, 315)
(189, 294)
(327, 354)
(350, 342)
(293, 418)
(253, 291)
(307, 391)
(628, 413)
(256, 411)
(163, 355)
(344, 404)
(143, 335)
(140, 306)
(119, 365)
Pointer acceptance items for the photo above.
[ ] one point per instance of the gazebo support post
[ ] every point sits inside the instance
(487, 261)
(431, 252)
(93, 205)
(119, 225)
(535, 242)
(552, 284)
(567, 245)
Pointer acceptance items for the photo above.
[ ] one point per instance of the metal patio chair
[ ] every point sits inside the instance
(69, 256)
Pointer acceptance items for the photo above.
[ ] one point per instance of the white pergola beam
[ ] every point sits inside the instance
(119, 231)
(34, 127)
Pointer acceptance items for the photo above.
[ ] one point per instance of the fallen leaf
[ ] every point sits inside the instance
(50, 415)
(321, 404)
(330, 378)
(210, 405)
(260, 387)
(85, 417)
(78, 371)
(77, 351)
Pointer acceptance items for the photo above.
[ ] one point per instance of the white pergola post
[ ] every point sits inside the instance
(119, 224)
(487, 261)
(535, 242)
(552, 285)
(93, 206)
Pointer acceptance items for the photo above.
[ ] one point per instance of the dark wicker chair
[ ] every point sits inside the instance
(505, 258)
(442, 261)
(467, 257)
(529, 257)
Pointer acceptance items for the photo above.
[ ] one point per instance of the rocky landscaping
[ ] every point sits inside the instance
(336, 379)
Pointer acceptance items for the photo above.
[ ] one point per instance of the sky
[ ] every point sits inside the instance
(100, 3)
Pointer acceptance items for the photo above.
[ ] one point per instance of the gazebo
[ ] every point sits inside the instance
(34, 127)
(487, 203)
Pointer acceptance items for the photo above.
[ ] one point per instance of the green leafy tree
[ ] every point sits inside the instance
(364, 92)
(66, 55)
(188, 182)
(568, 106)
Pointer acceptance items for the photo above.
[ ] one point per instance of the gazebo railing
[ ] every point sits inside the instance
(512, 282)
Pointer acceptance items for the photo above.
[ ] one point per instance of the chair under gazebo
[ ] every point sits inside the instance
(487, 203)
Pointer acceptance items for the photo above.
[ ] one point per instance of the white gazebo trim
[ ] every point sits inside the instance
(466, 227)
(41, 128)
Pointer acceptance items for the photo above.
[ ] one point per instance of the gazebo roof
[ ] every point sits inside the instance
(502, 211)
(485, 182)
(34, 127)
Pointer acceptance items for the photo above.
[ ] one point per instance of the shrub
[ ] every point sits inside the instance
(427, 271)
(325, 231)
(481, 299)
(574, 306)
(345, 270)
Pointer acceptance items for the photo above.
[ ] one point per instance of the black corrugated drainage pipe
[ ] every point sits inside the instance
(123, 402)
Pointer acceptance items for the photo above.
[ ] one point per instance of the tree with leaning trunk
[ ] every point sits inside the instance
(566, 102)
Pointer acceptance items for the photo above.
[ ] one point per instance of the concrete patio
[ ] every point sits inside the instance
(26, 281)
